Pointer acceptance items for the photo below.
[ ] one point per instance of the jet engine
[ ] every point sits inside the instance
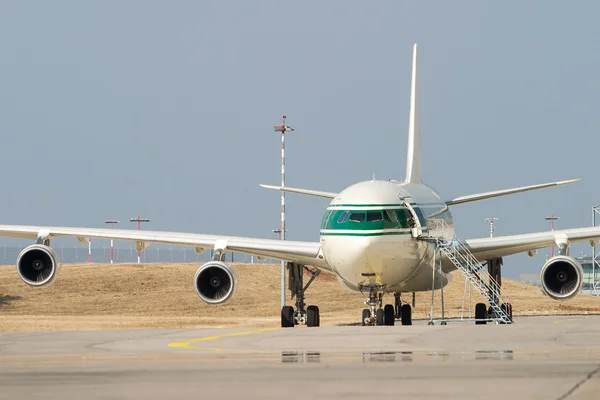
(215, 282)
(561, 277)
(38, 265)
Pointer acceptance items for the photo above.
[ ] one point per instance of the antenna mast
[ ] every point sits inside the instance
(491, 221)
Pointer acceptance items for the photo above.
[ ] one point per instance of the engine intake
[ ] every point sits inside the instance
(38, 265)
(562, 277)
(215, 282)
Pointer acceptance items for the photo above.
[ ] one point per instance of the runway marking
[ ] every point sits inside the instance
(189, 343)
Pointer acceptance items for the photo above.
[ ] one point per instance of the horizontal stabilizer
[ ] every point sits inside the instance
(329, 195)
(498, 193)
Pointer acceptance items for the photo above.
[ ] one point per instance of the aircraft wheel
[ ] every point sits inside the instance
(406, 314)
(287, 317)
(388, 315)
(379, 317)
(312, 316)
(480, 313)
(507, 308)
(366, 314)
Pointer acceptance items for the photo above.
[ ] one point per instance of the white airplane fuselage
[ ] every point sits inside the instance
(366, 236)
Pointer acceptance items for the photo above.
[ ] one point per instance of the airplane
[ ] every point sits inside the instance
(369, 239)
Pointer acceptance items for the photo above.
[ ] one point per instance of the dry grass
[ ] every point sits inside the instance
(130, 296)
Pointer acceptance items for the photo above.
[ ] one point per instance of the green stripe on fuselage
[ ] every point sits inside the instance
(439, 205)
(363, 205)
(357, 233)
(363, 219)
(366, 220)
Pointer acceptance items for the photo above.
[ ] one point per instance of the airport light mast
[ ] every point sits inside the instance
(491, 221)
(283, 128)
(595, 209)
(552, 219)
(112, 223)
(139, 221)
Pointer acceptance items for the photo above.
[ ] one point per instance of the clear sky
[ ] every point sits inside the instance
(163, 109)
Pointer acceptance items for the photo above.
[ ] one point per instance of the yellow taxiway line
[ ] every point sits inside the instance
(189, 344)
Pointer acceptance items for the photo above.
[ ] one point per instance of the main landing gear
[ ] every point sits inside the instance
(301, 315)
(484, 313)
(376, 315)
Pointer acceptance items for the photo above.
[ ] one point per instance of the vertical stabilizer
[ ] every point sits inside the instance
(413, 160)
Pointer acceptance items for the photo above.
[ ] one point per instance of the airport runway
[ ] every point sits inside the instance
(536, 358)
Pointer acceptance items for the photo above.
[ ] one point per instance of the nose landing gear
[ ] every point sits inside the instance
(376, 315)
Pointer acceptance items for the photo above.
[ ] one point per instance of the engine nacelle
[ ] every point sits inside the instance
(38, 265)
(215, 282)
(561, 277)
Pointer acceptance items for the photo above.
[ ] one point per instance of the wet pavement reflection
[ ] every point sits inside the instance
(300, 357)
(399, 356)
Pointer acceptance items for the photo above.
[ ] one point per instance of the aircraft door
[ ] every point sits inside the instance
(416, 229)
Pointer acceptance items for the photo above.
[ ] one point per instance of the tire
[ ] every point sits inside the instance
(388, 315)
(287, 317)
(480, 313)
(365, 314)
(507, 308)
(379, 317)
(406, 314)
(312, 316)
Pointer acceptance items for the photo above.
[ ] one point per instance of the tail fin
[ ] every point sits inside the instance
(413, 159)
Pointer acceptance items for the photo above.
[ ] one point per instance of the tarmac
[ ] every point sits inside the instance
(534, 358)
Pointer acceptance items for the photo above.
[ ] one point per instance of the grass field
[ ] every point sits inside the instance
(131, 296)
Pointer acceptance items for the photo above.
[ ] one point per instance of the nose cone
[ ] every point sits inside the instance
(354, 259)
(342, 252)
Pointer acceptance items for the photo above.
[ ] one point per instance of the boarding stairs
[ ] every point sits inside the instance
(457, 253)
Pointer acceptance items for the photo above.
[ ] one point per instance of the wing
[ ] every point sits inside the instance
(487, 248)
(308, 253)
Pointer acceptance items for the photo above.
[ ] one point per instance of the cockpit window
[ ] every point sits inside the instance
(373, 216)
(371, 219)
(421, 217)
(403, 216)
(357, 216)
(387, 216)
(343, 218)
(391, 220)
